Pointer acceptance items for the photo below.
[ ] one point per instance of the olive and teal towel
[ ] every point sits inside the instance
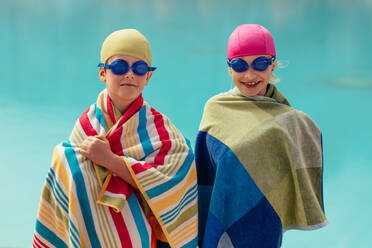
(260, 166)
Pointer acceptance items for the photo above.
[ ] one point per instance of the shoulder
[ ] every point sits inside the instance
(165, 128)
(297, 118)
(152, 115)
(218, 99)
(307, 119)
(151, 111)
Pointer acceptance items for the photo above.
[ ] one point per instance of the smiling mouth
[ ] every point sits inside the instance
(129, 85)
(250, 84)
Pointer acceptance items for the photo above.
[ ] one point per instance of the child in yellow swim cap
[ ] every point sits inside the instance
(126, 177)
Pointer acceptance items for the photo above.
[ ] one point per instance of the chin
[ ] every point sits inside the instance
(249, 92)
(130, 97)
(253, 92)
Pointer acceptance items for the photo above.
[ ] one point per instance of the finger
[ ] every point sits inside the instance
(82, 151)
(84, 145)
(90, 140)
(86, 142)
(101, 137)
(85, 151)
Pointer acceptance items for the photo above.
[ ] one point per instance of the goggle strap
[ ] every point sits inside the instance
(104, 65)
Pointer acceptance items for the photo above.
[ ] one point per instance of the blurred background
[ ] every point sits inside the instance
(48, 75)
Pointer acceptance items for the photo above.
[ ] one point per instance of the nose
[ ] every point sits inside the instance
(129, 74)
(250, 73)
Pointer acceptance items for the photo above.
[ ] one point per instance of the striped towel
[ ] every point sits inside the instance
(85, 205)
(259, 164)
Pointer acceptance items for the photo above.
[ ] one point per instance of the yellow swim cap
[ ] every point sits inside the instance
(126, 42)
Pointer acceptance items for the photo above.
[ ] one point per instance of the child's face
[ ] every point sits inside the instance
(252, 82)
(123, 89)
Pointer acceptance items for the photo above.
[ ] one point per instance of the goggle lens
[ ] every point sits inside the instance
(140, 68)
(260, 64)
(239, 65)
(119, 67)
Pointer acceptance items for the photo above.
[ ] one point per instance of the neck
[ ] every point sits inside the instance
(120, 105)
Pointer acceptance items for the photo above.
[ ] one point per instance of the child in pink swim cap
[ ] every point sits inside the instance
(251, 59)
(259, 161)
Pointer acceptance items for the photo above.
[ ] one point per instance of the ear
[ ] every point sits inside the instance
(229, 70)
(102, 74)
(275, 64)
(148, 76)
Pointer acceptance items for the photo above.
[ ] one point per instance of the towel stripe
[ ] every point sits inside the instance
(141, 226)
(83, 198)
(174, 180)
(121, 229)
(52, 238)
(143, 134)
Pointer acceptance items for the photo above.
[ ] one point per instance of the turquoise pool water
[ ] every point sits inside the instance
(48, 76)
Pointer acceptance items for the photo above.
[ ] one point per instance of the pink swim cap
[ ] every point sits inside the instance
(250, 39)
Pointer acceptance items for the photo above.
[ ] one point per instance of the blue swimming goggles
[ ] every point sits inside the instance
(120, 67)
(259, 64)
